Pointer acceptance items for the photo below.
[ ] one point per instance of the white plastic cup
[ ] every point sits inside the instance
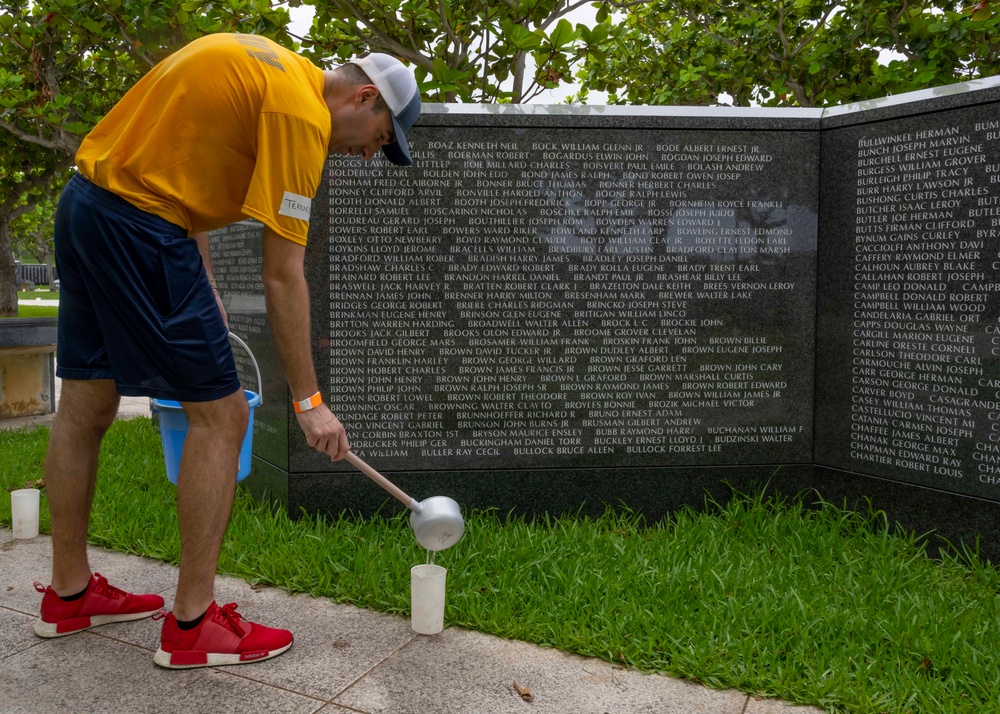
(24, 512)
(427, 589)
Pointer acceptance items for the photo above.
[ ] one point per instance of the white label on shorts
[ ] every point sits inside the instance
(295, 206)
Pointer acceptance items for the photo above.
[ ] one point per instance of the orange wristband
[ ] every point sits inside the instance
(307, 404)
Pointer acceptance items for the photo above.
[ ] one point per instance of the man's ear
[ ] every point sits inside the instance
(366, 94)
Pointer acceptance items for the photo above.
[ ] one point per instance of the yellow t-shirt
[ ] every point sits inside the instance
(227, 127)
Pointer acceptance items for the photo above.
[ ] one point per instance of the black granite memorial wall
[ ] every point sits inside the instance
(910, 298)
(562, 307)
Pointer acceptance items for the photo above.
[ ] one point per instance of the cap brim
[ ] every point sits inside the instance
(398, 152)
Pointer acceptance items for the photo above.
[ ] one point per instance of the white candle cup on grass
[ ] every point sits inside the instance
(24, 512)
(427, 591)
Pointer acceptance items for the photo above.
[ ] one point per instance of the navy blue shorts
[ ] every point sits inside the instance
(135, 304)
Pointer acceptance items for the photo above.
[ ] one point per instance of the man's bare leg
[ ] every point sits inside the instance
(86, 409)
(206, 485)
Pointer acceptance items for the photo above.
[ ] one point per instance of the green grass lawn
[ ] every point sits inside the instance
(37, 310)
(818, 606)
(43, 293)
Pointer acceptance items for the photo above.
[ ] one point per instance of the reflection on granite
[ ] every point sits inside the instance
(564, 305)
(908, 330)
(432, 112)
(554, 298)
(237, 259)
(536, 492)
(917, 102)
(947, 520)
(267, 483)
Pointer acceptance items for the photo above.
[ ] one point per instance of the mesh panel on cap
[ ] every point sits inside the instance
(391, 77)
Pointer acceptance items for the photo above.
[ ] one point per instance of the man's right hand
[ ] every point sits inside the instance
(324, 432)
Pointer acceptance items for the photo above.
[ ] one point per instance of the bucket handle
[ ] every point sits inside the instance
(260, 385)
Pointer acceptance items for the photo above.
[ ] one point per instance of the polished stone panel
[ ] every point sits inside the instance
(985, 90)
(238, 259)
(569, 307)
(945, 520)
(537, 492)
(570, 298)
(908, 357)
(269, 483)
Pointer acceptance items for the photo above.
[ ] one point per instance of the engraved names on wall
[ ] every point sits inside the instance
(925, 333)
(237, 260)
(566, 298)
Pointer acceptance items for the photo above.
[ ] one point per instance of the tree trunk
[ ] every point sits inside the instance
(8, 272)
(45, 260)
(42, 250)
(518, 89)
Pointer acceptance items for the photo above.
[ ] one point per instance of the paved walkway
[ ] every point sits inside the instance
(344, 659)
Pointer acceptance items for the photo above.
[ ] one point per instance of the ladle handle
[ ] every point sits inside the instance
(382, 481)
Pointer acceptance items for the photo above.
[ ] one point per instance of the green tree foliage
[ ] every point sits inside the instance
(32, 230)
(462, 50)
(65, 63)
(805, 53)
(26, 174)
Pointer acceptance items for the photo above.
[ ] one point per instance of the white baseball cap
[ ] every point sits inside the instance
(398, 87)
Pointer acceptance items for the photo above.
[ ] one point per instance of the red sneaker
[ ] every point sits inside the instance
(222, 637)
(102, 603)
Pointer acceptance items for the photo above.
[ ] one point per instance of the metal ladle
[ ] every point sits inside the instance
(436, 522)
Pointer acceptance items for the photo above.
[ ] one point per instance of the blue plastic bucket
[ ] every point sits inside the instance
(173, 430)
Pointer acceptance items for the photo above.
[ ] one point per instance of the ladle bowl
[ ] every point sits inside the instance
(437, 522)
